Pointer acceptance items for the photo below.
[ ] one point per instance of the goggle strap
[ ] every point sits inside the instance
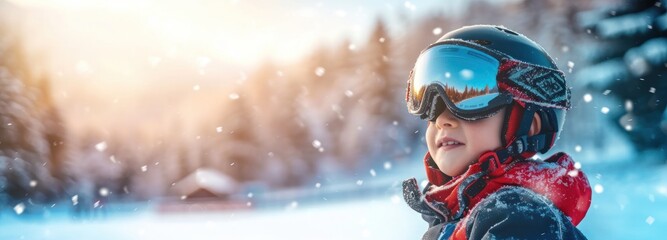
(534, 83)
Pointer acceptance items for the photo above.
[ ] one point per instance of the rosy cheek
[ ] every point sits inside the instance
(430, 136)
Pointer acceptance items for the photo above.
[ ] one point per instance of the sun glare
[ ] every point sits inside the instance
(113, 59)
(232, 31)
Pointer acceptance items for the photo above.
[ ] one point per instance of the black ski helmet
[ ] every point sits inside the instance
(520, 112)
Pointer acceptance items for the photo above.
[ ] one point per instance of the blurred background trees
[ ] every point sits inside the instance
(627, 52)
(33, 138)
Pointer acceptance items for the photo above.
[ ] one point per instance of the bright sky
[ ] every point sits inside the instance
(243, 32)
(107, 57)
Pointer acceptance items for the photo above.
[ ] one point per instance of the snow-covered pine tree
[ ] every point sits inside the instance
(629, 60)
(32, 133)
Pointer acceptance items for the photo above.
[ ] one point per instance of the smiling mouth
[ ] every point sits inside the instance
(448, 143)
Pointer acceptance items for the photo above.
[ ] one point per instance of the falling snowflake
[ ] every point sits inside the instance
(577, 165)
(604, 110)
(75, 199)
(387, 165)
(218, 129)
(195, 87)
(317, 144)
(423, 183)
(234, 96)
(183, 197)
(565, 49)
(318, 185)
(662, 190)
(577, 148)
(628, 105)
(19, 208)
(33, 183)
(598, 188)
(606, 92)
(650, 220)
(360, 182)
(382, 40)
(372, 172)
(319, 71)
(352, 47)
(349, 93)
(104, 192)
(588, 97)
(144, 168)
(101, 146)
(573, 173)
(250, 195)
(651, 90)
(437, 31)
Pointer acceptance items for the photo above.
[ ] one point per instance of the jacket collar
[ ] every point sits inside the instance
(555, 178)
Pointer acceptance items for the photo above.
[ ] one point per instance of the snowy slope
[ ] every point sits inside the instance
(629, 202)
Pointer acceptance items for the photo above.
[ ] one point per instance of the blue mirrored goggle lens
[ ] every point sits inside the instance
(468, 77)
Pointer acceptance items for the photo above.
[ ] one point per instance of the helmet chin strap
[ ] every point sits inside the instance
(522, 144)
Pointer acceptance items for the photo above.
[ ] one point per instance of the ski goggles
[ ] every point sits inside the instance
(475, 82)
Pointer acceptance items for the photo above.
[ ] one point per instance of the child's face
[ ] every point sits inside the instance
(473, 137)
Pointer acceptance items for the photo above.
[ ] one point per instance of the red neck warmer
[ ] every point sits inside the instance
(555, 178)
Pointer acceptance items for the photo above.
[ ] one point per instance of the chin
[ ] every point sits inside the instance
(449, 170)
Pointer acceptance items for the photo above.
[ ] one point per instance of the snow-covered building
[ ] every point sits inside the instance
(205, 183)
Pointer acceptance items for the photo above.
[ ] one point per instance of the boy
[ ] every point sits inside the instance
(493, 98)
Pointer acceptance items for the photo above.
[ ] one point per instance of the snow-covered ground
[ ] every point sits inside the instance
(377, 218)
(629, 202)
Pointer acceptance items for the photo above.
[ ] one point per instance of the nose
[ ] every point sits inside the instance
(446, 119)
